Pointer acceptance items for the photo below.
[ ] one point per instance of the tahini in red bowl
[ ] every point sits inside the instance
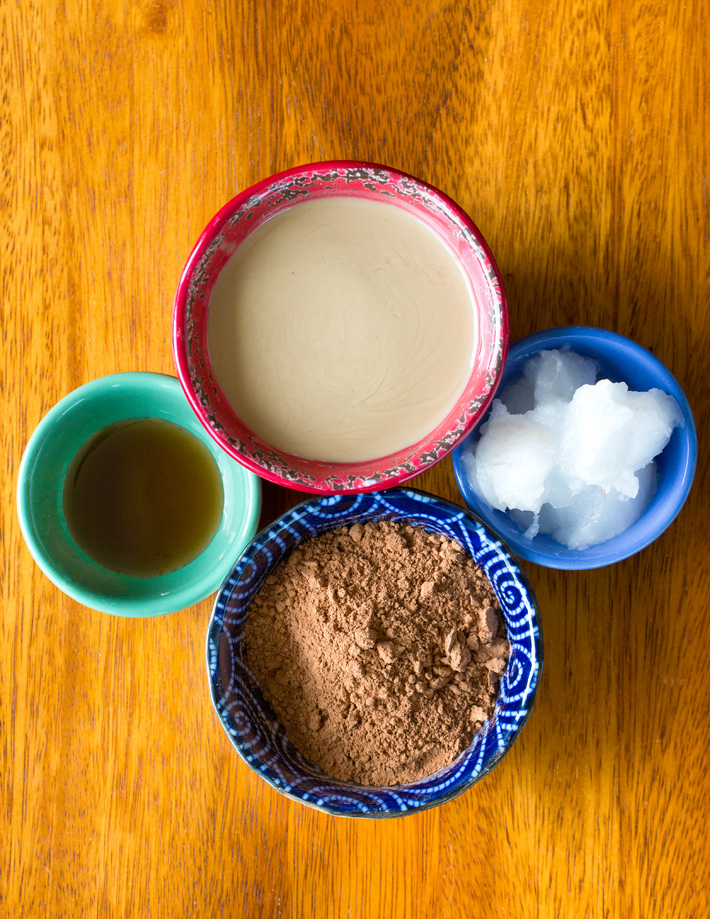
(248, 211)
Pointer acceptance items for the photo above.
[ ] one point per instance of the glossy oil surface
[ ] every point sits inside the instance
(143, 497)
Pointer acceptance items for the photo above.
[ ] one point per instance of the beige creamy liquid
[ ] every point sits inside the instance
(342, 330)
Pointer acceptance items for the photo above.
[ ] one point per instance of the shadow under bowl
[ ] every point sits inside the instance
(619, 359)
(252, 726)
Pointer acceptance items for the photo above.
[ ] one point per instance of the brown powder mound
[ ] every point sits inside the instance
(380, 649)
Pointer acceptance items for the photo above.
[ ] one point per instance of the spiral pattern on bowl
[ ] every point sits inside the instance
(252, 726)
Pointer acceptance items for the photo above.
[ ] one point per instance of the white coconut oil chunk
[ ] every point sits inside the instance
(342, 330)
(568, 456)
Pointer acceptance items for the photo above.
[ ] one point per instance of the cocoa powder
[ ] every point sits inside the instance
(380, 649)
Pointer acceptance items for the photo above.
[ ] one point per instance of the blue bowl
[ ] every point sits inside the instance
(252, 726)
(621, 360)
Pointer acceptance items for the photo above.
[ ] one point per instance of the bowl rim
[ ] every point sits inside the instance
(216, 625)
(575, 560)
(186, 595)
(179, 337)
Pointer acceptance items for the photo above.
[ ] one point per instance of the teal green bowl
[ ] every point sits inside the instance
(48, 455)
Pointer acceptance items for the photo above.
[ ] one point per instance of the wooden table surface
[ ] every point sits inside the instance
(577, 135)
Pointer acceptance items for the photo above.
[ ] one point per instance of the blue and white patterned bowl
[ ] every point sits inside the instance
(251, 725)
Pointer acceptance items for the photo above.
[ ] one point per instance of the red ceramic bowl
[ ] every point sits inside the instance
(228, 229)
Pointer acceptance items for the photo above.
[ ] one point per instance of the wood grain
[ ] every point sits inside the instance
(577, 135)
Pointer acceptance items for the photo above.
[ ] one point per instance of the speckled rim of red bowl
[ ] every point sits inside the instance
(218, 242)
